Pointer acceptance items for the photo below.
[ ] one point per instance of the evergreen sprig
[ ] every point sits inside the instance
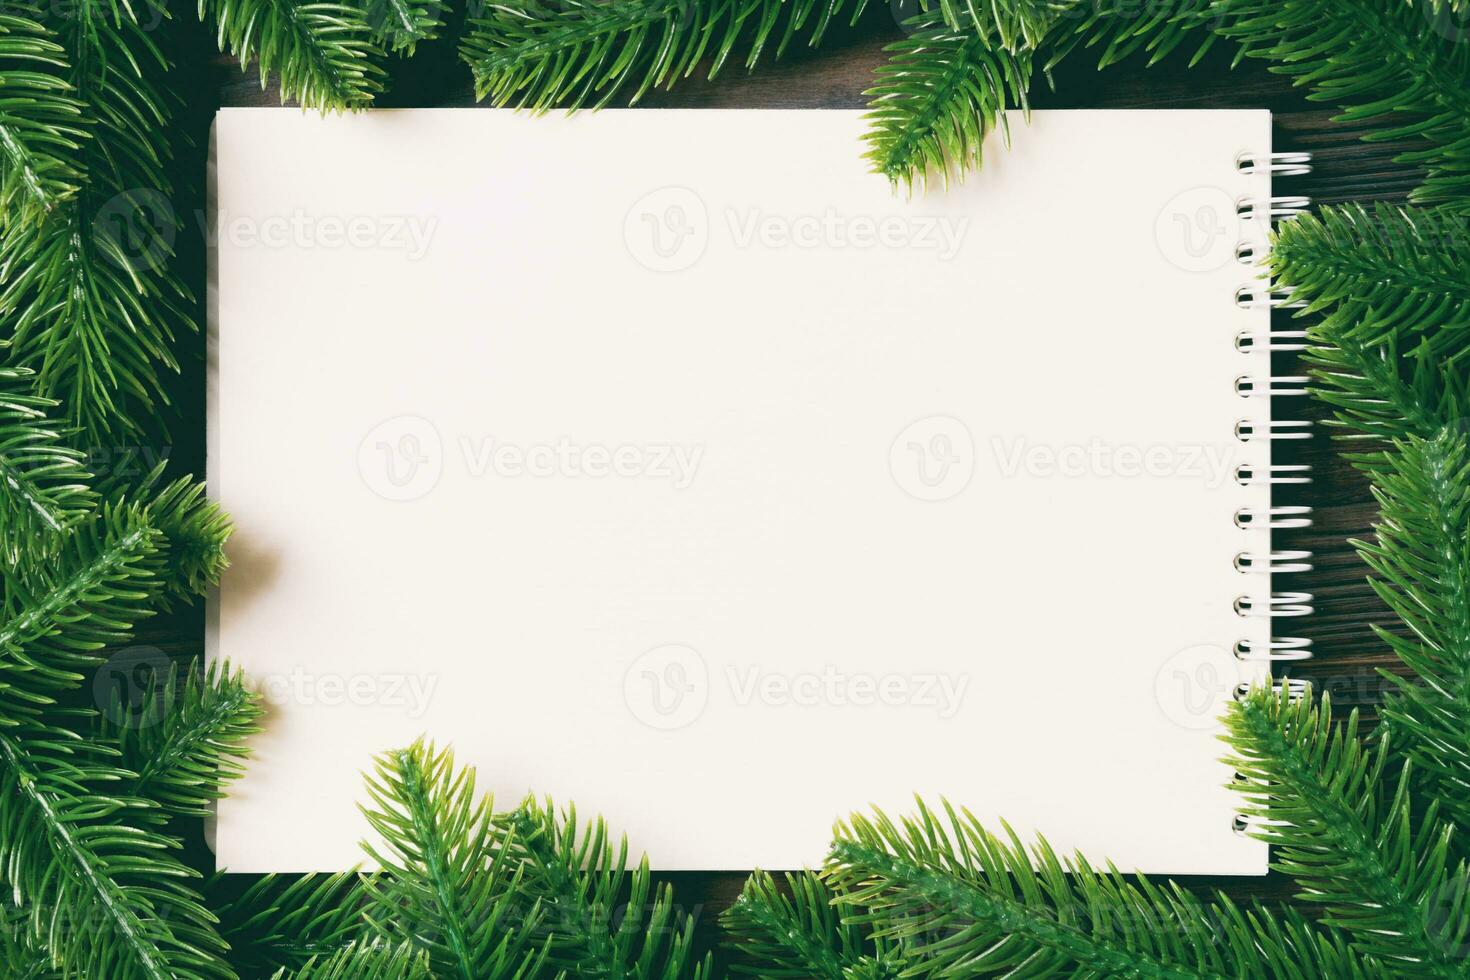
(59, 619)
(43, 483)
(1387, 298)
(184, 739)
(1382, 273)
(41, 128)
(1121, 29)
(1388, 64)
(802, 931)
(941, 93)
(538, 53)
(196, 529)
(1421, 564)
(283, 923)
(962, 901)
(322, 54)
(1344, 827)
(106, 898)
(526, 893)
(88, 293)
(448, 883)
(604, 916)
(104, 895)
(1380, 393)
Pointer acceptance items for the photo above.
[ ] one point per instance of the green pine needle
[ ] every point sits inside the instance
(1380, 395)
(101, 582)
(1383, 274)
(40, 120)
(399, 25)
(88, 291)
(43, 484)
(365, 962)
(942, 91)
(489, 895)
(948, 83)
(962, 901)
(282, 923)
(1387, 63)
(1347, 832)
(186, 738)
(604, 919)
(1421, 563)
(196, 529)
(1124, 28)
(542, 53)
(21, 956)
(106, 899)
(448, 884)
(322, 53)
(800, 933)
(1017, 24)
(1393, 295)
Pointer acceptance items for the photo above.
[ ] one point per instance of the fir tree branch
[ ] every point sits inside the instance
(539, 53)
(322, 52)
(44, 483)
(282, 923)
(1016, 24)
(1319, 796)
(1383, 274)
(800, 933)
(196, 529)
(579, 878)
(94, 305)
(965, 902)
(99, 585)
(1380, 395)
(1124, 28)
(40, 120)
(448, 885)
(107, 899)
(1421, 560)
(949, 82)
(939, 95)
(1384, 63)
(188, 740)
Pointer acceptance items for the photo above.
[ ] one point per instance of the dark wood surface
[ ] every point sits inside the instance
(835, 77)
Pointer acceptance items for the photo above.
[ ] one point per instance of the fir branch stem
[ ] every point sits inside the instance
(425, 827)
(940, 95)
(1014, 918)
(103, 889)
(113, 562)
(1317, 794)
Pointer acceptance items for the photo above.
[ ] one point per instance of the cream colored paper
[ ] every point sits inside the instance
(671, 463)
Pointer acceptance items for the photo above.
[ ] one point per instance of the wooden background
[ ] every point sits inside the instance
(835, 77)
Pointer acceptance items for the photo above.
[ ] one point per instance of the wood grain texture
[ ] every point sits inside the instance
(835, 77)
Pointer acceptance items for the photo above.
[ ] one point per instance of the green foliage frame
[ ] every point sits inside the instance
(95, 797)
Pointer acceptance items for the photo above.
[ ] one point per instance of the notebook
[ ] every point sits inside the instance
(672, 463)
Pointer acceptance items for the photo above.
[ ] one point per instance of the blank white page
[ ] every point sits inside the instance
(671, 463)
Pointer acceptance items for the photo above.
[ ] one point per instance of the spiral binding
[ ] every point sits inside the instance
(1282, 164)
(1273, 340)
(1271, 605)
